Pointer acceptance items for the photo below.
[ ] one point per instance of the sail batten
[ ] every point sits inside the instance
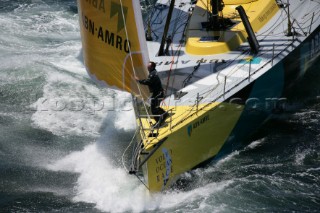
(114, 45)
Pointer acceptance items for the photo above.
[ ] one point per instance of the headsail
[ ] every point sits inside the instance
(113, 41)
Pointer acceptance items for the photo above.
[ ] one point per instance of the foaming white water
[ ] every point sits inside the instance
(302, 153)
(43, 41)
(225, 159)
(70, 105)
(197, 195)
(113, 190)
(299, 157)
(255, 144)
(110, 188)
(232, 155)
(313, 169)
(104, 182)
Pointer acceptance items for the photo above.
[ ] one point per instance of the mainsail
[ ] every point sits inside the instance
(114, 45)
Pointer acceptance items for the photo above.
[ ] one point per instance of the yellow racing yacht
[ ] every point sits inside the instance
(225, 66)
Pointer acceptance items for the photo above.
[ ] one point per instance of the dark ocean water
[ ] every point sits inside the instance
(62, 137)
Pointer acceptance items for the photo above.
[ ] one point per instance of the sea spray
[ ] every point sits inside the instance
(47, 164)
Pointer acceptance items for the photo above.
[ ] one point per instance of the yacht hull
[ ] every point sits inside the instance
(220, 128)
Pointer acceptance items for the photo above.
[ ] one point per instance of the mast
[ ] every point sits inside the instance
(166, 29)
(289, 21)
(216, 6)
(215, 14)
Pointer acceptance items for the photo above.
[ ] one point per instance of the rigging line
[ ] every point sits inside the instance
(176, 20)
(122, 158)
(177, 52)
(274, 26)
(142, 181)
(172, 50)
(123, 164)
(169, 76)
(150, 11)
(288, 43)
(316, 14)
(213, 89)
(129, 46)
(170, 70)
(172, 63)
(188, 113)
(168, 79)
(176, 26)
